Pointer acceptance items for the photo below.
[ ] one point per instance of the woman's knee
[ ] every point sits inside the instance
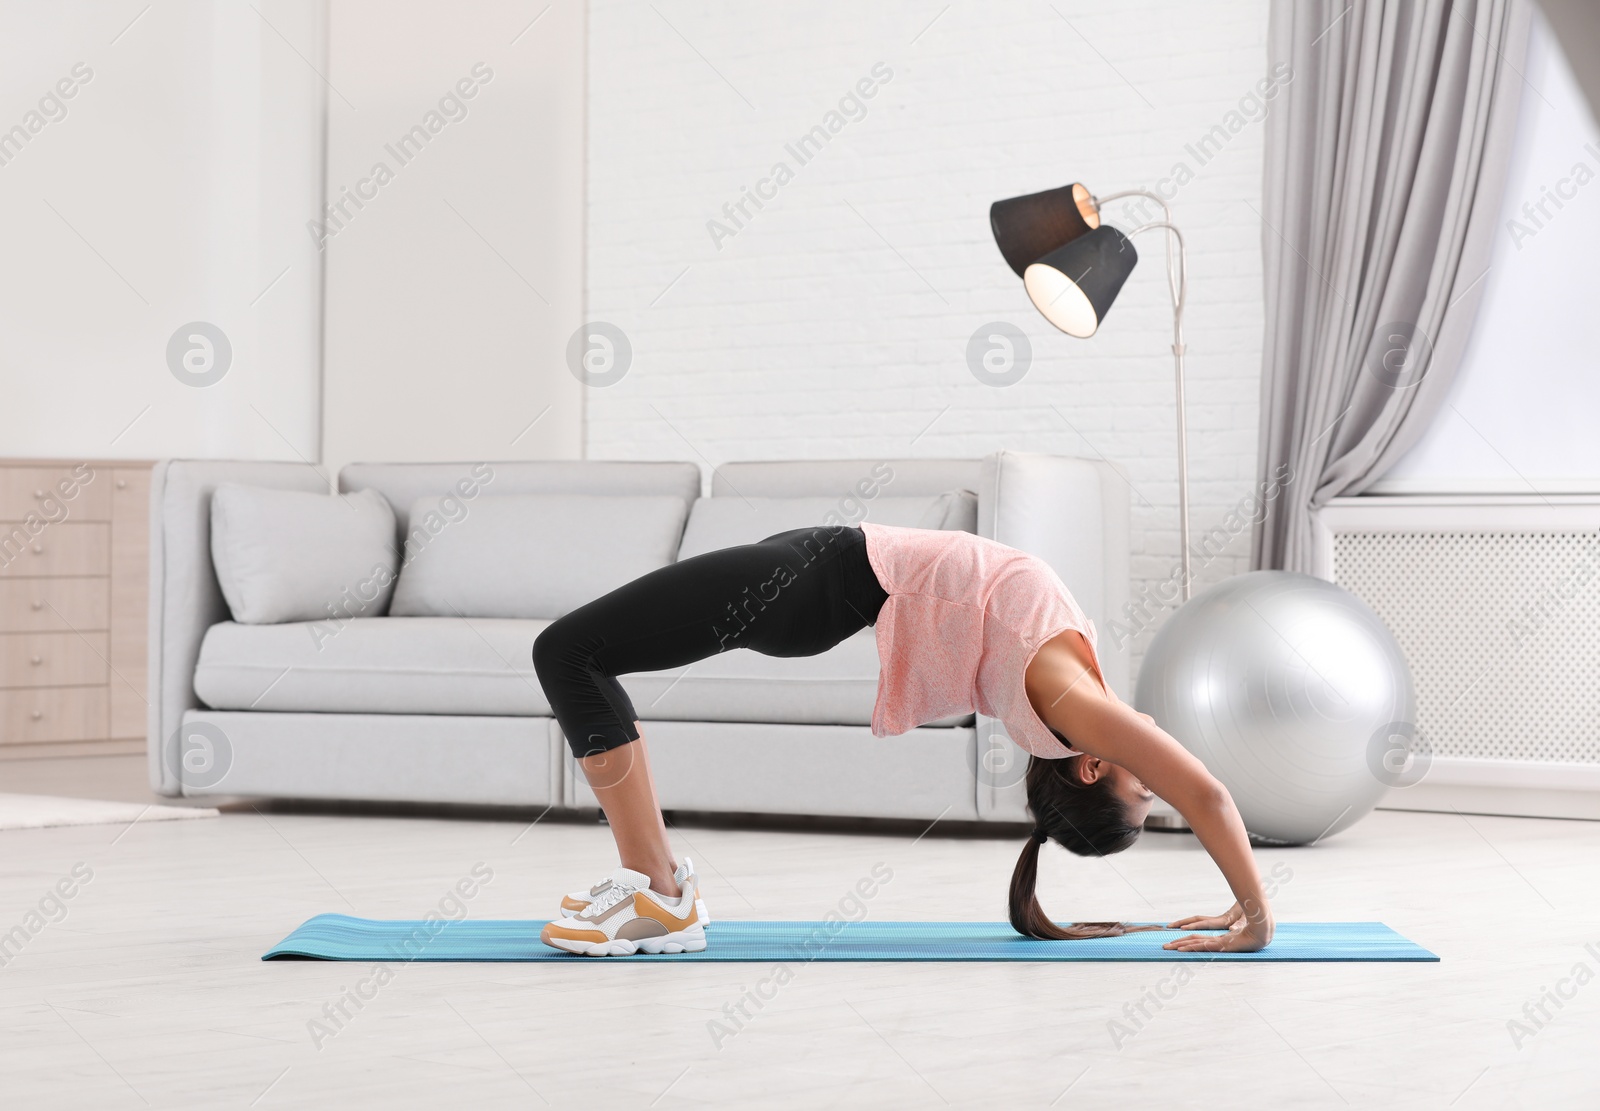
(555, 648)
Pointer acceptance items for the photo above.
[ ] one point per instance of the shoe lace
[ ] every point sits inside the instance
(609, 898)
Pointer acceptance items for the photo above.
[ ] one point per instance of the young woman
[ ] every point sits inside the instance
(962, 623)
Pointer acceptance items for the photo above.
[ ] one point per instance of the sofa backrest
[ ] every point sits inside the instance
(404, 483)
(526, 539)
(842, 478)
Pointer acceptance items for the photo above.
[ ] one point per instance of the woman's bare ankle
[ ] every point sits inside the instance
(661, 878)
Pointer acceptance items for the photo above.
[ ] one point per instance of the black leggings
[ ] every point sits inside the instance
(795, 593)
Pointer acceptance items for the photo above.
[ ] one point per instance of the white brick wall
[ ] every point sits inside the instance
(835, 321)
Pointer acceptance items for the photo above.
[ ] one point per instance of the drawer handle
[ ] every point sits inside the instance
(38, 715)
(38, 549)
(36, 660)
(38, 493)
(122, 484)
(38, 604)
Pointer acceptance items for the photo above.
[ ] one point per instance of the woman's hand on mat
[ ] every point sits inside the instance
(1242, 936)
(1208, 921)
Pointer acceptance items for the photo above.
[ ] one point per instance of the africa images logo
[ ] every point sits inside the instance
(451, 108)
(851, 108)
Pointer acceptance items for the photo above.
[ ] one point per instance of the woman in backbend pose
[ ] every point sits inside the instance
(962, 623)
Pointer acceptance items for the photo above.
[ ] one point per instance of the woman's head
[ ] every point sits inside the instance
(1090, 807)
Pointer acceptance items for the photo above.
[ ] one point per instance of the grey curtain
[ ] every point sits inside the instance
(1386, 160)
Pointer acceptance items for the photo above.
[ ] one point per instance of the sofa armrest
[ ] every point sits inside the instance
(1074, 515)
(185, 599)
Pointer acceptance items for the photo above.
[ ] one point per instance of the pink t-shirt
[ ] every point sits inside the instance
(964, 617)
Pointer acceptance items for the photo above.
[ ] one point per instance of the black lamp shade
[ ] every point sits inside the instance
(1073, 286)
(1029, 227)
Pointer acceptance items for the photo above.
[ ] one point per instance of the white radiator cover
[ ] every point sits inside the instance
(1495, 601)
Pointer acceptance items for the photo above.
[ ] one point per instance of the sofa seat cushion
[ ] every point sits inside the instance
(484, 666)
(374, 665)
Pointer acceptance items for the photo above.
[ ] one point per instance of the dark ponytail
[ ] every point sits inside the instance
(1084, 818)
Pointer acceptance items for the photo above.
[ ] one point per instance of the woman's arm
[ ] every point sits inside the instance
(1063, 686)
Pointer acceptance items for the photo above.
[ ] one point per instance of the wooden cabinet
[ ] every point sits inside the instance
(74, 587)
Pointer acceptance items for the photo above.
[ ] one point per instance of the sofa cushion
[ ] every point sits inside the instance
(484, 666)
(530, 555)
(292, 555)
(397, 665)
(723, 522)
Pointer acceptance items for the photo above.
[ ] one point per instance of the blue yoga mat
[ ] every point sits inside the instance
(338, 937)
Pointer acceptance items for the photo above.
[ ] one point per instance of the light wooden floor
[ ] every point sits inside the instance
(149, 992)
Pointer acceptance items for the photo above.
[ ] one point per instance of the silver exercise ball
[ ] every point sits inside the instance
(1290, 690)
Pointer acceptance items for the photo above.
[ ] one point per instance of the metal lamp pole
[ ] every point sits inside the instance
(1177, 285)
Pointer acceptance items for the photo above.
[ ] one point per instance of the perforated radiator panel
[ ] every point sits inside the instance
(1502, 631)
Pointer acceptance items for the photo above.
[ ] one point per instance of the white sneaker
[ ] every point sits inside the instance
(627, 917)
(575, 902)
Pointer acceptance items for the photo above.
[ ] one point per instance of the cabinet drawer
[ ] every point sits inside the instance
(54, 605)
(53, 659)
(70, 492)
(69, 548)
(52, 714)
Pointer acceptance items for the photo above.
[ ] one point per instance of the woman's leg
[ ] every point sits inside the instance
(620, 779)
(796, 593)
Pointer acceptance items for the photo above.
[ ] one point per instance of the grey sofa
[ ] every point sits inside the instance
(448, 709)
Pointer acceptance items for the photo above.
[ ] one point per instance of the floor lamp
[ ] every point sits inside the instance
(1073, 266)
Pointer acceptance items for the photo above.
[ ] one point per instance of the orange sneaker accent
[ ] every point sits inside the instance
(646, 907)
(569, 933)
